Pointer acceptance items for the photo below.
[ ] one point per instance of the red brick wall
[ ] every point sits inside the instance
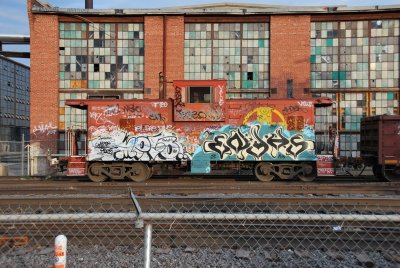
(44, 79)
(175, 51)
(153, 55)
(290, 54)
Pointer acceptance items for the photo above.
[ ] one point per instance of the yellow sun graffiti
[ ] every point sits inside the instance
(264, 115)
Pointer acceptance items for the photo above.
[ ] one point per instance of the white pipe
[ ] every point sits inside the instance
(197, 216)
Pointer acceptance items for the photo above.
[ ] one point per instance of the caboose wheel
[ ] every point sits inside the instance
(309, 173)
(263, 171)
(139, 172)
(95, 174)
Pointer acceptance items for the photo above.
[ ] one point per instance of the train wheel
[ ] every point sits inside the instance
(391, 173)
(95, 174)
(139, 172)
(309, 173)
(377, 170)
(263, 171)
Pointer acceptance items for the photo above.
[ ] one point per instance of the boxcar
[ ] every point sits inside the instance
(380, 145)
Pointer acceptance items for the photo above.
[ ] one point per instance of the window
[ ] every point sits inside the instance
(101, 55)
(235, 52)
(199, 95)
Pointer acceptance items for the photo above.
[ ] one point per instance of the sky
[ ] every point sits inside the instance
(14, 18)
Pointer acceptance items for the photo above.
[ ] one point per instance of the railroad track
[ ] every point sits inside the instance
(195, 185)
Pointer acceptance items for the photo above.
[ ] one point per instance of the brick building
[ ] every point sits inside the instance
(348, 54)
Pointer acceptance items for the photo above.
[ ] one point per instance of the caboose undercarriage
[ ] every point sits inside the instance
(141, 171)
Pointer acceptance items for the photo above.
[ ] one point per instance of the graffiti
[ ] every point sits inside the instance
(160, 104)
(221, 95)
(243, 144)
(156, 117)
(148, 128)
(178, 103)
(264, 115)
(103, 145)
(305, 103)
(45, 129)
(122, 146)
(189, 114)
(111, 110)
(100, 118)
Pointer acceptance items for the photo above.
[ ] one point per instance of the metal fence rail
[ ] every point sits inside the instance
(205, 225)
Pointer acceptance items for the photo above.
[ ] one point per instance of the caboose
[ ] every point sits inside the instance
(198, 129)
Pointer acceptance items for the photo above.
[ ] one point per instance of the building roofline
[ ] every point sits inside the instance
(223, 9)
(16, 62)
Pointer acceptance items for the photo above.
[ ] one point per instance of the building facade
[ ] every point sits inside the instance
(348, 54)
(14, 100)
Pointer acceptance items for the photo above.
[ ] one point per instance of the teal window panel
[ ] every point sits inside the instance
(390, 95)
(335, 75)
(261, 43)
(318, 50)
(342, 75)
(312, 58)
(329, 42)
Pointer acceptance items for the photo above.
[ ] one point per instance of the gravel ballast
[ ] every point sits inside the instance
(128, 256)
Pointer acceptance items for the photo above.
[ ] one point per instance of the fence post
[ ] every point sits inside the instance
(22, 154)
(147, 245)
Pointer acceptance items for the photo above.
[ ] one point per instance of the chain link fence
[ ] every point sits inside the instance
(200, 233)
(13, 158)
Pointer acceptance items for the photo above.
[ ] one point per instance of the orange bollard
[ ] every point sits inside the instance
(60, 252)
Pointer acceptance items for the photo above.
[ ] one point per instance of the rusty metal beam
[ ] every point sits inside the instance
(14, 54)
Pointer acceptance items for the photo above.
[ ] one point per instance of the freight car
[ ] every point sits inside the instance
(198, 127)
(380, 145)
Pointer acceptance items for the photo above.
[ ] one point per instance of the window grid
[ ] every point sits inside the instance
(384, 103)
(384, 53)
(102, 51)
(73, 55)
(69, 117)
(236, 52)
(130, 56)
(353, 42)
(101, 55)
(355, 54)
(324, 55)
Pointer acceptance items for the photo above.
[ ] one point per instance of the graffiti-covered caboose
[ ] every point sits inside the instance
(199, 128)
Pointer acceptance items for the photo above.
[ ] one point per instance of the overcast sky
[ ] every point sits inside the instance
(13, 13)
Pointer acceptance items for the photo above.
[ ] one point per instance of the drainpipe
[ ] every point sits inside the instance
(164, 93)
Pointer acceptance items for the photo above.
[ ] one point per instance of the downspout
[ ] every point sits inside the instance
(164, 92)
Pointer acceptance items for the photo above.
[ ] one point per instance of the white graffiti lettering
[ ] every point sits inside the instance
(305, 103)
(121, 146)
(160, 104)
(240, 144)
(45, 129)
